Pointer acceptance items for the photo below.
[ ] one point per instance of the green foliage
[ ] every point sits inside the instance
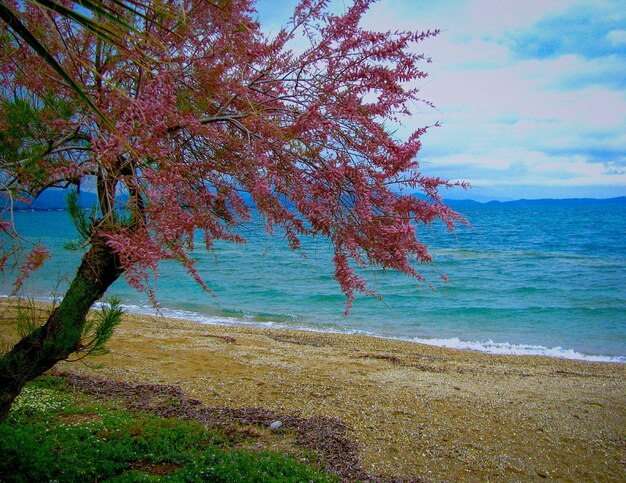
(28, 116)
(55, 434)
(99, 328)
(239, 466)
(27, 319)
(92, 337)
(81, 221)
(38, 402)
(27, 134)
(22, 119)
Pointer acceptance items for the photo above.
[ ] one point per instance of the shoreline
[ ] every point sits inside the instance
(413, 411)
(486, 346)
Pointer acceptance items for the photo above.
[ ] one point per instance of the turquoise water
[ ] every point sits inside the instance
(545, 280)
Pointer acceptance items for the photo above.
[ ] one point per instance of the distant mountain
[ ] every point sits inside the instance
(620, 201)
(54, 199)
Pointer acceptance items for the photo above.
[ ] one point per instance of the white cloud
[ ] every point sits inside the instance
(542, 125)
(617, 37)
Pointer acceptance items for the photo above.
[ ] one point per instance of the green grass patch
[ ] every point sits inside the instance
(54, 433)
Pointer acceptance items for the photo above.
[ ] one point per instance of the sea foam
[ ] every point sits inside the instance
(489, 346)
(505, 348)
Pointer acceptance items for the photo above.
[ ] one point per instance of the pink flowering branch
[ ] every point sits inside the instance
(224, 109)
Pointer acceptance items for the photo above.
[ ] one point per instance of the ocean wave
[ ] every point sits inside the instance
(505, 348)
(296, 323)
(292, 322)
(532, 256)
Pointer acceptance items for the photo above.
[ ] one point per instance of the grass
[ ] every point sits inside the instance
(56, 434)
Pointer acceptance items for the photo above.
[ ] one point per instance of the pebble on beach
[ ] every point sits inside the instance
(276, 425)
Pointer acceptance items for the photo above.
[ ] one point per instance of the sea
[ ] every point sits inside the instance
(528, 278)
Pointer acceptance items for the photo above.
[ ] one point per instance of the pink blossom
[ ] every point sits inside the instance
(214, 109)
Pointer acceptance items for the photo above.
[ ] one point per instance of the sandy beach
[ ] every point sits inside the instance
(414, 412)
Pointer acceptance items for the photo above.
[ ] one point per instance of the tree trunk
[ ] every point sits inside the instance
(61, 334)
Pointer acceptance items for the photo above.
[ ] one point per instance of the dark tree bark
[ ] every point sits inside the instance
(61, 334)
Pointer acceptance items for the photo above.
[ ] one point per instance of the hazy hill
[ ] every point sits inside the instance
(619, 201)
(54, 199)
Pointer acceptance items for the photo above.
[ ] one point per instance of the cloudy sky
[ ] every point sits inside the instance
(531, 93)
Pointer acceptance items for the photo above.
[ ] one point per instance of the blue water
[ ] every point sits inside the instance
(540, 280)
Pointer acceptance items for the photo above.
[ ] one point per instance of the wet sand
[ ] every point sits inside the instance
(415, 411)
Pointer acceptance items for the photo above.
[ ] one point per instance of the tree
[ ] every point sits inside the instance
(214, 109)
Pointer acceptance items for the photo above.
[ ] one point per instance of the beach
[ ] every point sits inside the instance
(413, 411)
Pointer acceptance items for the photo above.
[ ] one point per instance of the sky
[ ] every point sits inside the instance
(531, 94)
